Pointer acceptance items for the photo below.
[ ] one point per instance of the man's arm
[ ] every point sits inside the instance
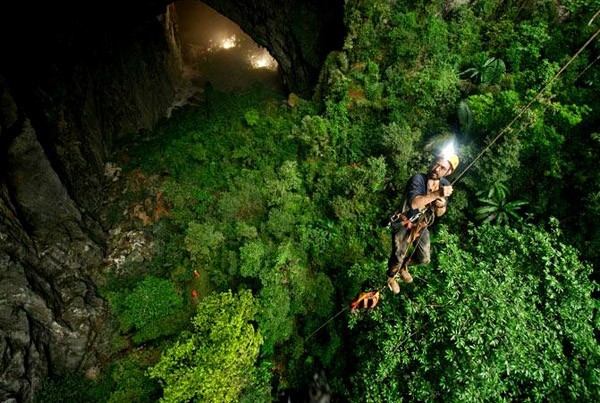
(419, 202)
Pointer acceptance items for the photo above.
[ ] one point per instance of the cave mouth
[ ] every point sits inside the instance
(216, 50)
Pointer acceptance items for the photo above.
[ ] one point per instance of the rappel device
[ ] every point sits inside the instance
(408, 222)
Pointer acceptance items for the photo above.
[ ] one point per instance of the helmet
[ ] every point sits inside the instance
(453, 160)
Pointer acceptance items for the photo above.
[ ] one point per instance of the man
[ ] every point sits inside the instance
(429, 190)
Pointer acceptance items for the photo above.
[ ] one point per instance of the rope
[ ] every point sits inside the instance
(593, 18)
(382, 288)
(587, 67)
(519, 114)
(324, 324)
(526, 107)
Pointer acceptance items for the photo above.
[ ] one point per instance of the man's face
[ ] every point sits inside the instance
(439, 169)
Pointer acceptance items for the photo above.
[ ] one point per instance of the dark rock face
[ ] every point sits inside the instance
(49, 311)
(72, 79)
(61, 107)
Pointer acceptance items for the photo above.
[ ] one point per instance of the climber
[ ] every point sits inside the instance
(425, 194)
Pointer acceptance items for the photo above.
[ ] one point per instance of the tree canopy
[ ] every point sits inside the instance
(504, 314)
(214, 362)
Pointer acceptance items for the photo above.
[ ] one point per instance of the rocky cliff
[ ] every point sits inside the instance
(66, 92)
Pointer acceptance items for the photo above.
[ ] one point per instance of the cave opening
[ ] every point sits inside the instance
(216, 50)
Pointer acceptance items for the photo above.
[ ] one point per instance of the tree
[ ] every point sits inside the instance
(153, 309)
(508, 314)
(214, 363)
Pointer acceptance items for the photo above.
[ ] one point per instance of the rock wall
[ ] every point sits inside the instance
(66, 94)
(49, 311)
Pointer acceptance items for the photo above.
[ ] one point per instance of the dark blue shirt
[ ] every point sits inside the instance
(417, 186)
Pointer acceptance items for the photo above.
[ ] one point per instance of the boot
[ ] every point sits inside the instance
(393, 285)
(405, 275)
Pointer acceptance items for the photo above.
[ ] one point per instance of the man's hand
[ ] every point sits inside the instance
(421, 201)
(445, 191)
(439, 206)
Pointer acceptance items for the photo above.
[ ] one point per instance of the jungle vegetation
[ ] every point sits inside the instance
(278, 204)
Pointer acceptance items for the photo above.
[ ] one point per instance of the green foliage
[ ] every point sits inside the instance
(489, 72)
(464, 30)
(132, 382)
(314, 132)
(252, 117)
(202, 239)
(465, 117)
(496, 207)
(399, 142)
(525, 47)
(507, 314)
(215, 362)
(259, 387)
(284, 200)
(73, 388)
(154, 309)
(272, 318)
(358, 185)
(252, 256)
(500, 164)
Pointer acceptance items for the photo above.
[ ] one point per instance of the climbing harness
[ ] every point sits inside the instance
(414, 226)
(406, 222)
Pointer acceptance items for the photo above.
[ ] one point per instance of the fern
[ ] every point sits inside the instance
(496, 208)
(492, 72)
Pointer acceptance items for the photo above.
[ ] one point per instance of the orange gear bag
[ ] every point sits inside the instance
(366, 300)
